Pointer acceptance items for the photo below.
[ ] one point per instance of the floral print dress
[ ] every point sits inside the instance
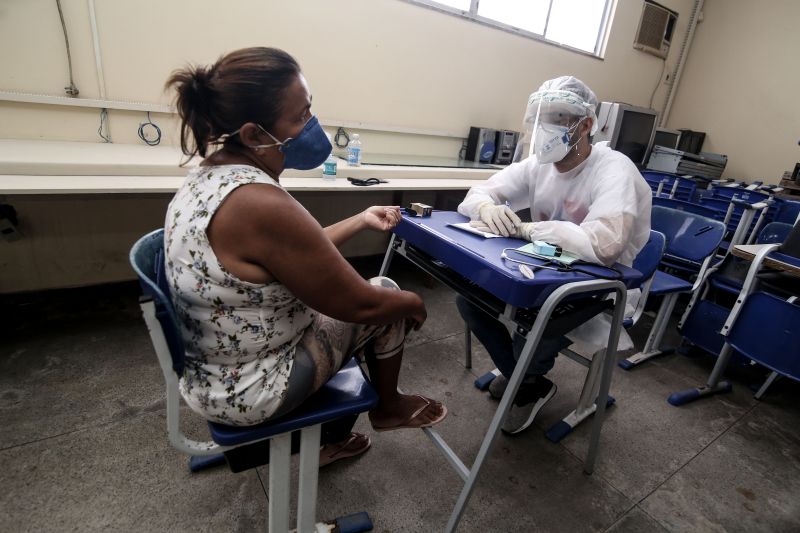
(240, 337)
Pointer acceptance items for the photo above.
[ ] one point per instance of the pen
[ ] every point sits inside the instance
(451, 241)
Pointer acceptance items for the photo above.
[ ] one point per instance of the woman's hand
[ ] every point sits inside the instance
(381, 218)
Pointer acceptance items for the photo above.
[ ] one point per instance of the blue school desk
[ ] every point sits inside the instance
(472, 266)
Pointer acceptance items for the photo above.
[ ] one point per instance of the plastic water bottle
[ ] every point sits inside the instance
(354, 151)
(329, 167)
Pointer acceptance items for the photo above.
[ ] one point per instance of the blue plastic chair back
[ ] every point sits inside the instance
(786, 210)
(728, 193)
(774, 233)
(147, 260)
(649, 256)
(689, 236)
(689, 207)
(686, 187)
(766, 331)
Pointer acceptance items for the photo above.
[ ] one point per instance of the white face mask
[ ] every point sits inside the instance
(552, 142)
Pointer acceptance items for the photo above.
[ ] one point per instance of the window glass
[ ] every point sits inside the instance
(463, 5)
(530, 15)
(576, 23)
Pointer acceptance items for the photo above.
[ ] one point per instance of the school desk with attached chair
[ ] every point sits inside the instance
(761, 326)
(473, 267)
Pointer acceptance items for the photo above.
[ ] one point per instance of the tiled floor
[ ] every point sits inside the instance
(84, 443)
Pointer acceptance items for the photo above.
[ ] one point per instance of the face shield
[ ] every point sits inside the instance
(550, 126)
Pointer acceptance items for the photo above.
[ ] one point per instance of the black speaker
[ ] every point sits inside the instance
(481, 145)
(505, 144)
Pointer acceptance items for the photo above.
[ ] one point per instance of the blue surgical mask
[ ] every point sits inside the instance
(308, 150)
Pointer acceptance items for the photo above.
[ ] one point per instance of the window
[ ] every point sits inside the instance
(575, 24)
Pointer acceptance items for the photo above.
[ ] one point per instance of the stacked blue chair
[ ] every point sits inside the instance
(703, 320)
(668, 185)
(761, 326)
(745, 211)
(787, 211)
(693, 240)
(346, 394)
(689, 207)
(766, 332)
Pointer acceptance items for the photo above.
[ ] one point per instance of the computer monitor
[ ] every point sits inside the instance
(629, 129)
(667, 138)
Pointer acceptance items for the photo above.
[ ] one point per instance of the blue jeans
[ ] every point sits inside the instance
(503, 350)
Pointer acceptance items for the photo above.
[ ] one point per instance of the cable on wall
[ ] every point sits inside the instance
(658, 83)
(103, 131)
(72, 90)
(155, 138)
(341, 133)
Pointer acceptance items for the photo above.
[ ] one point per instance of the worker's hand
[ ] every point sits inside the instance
(500, 219)
(381, 218)
(480, 225)
(524, 230)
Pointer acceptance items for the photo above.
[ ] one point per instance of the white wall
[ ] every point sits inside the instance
(741, 86)
(375, 61)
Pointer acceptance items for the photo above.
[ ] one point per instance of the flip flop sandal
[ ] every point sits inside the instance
(332, 452)
(409, 422)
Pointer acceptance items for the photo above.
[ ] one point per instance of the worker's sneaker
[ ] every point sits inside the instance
(530, 399)
(497, 387)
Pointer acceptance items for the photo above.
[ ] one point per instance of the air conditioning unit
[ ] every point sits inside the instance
(655, 29)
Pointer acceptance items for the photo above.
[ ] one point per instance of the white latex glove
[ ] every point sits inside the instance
(524, 230)
(500, 219)
(480, 225)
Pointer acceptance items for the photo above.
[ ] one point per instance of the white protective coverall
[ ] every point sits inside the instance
(599, 211)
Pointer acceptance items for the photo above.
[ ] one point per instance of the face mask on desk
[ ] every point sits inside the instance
(306, 151)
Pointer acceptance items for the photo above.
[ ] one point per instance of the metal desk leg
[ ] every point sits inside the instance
(713, 385)
(651, 347)
(605, 377)
(772, 377)
(532, 340)
(387, 259)
(500, 415)
(467, 348)
(587, 403)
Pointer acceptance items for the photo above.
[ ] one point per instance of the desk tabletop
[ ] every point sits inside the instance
(776, 260)
(479, 260)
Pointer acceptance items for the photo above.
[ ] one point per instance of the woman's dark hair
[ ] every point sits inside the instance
(244, 86)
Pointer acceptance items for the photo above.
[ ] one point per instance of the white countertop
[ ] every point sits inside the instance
(62, 167)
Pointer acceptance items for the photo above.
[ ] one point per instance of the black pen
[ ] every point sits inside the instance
(451, 241)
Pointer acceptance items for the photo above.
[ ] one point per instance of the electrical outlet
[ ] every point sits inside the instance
(9, 231)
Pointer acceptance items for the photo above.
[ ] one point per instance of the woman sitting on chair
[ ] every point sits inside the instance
(269, 308)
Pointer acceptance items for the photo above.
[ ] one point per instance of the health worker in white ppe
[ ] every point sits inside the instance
(588, 199)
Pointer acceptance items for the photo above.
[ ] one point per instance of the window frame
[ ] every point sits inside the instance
(472, 15)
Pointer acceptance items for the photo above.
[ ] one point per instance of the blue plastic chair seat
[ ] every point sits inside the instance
(766, 331)
(348, 392)
(664, 283)
(725, 284)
